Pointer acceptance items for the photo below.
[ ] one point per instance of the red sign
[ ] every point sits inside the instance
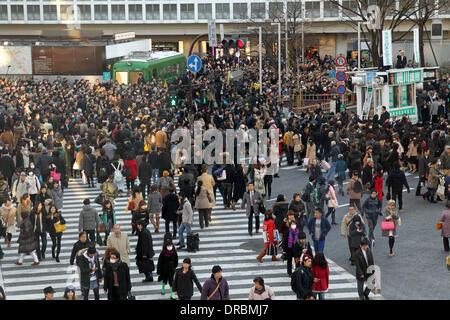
(341, 90)
(341, 61)
(341, 76)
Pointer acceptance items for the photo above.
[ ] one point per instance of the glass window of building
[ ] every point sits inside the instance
(222, 11)
(50, 12)
(170, 12)
(101, 12)
(85, 12)
(117, 12)
(312, 9)
(152, 11)
(294, 10)
(204, 11)
(67, 12)
(134, 12)
(348, 6)
(276, 10)
(17, 12)
(330, 10)
(33, 13)
(240, 11)
(258, 10)
(4, 12)
(187, 11)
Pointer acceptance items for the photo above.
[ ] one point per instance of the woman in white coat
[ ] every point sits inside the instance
(332, 202)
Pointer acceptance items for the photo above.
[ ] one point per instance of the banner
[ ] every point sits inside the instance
(387, 48)
(416, 46)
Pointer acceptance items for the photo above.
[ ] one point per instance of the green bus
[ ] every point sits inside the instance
(162, 65)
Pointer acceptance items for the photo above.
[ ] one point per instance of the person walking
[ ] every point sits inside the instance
(363, 260)
(169, 211)
(183, 281)
(433, 180)
(117, 281)
(318, 229)
(27, 240)
(357, 232)
(239, 183)
(445, 231)
(395, 182)
(203, 201)
(187, 218)
(423, 170)
(372, 207)
(166, 184)
(290, 238)
(304, 278)
(145, 175)
(54, 219)
(270, 237)
(208, 183)
(109, 190)
(154, 207)
(38, 219)
(216, 287)
(87, 165)
(390, 214)
(301, 247)
(167, 263)
(341, 167)
(280, 209)
(108, 218)
(334, 153)
(81, 244)
(120, 241)
(345, 226)
(308, 190)
(144, 251)
(8, 214)
(57, 195)
(355, 190)
(88, 220)
(332, 203)
(130, 169)
(261, 291)
(251, 202)
(321, 275)
(91, 275)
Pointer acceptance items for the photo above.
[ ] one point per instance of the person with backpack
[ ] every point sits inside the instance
(104, 169)
(109, 190)
(119, 180)
(302, 279)
(183, 281)
(308, 190)
(354, 190)
(166, 184)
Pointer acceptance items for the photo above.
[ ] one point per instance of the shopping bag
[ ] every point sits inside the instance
(305, 162)
(83, 177)
(56, 176)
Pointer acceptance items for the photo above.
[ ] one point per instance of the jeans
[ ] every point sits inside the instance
(319, 245)
(227, 193)
(331, 170)
(183, 226)
(320, 295)
(41, 237)
(174, 223)
(155, 176)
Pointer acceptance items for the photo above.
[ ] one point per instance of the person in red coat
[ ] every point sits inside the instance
(321, 274)
(132, 165)
(271, 241)
(378, 177)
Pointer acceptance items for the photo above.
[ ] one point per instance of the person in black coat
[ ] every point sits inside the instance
(145, 176)
(39, 221)
(59, 164)
(183, 281)
(119, 290)
(153, 159)
(82, 243)
(89, 264)
(7, 166)
(164, 162)
(363, 259)
(304, 278)
(144, 251)
(239, 183)
(167, 263)
(280, 209)
(186, 183)
(169, 212)
(395, 181)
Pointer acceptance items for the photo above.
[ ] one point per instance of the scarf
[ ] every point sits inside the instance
(293, 237)
(263, 289)
(168, 253)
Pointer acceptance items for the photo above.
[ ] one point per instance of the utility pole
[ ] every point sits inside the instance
(279, 57)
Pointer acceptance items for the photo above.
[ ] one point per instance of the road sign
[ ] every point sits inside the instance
(341, 76)
(341, 89)
(194, 63)
(124, 36)
(332, 74)
(212, 33)
(341, 69)
(222, 33)
(106, 76)
(341, 61)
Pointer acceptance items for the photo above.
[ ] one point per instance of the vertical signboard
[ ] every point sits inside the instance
(387, 47)
(212, 33)
(416, 46)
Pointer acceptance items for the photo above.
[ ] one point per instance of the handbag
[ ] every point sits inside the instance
(441, 190)
(101, 228)
(305, 162)
(60, 228)
(439, 225)
(76, 166)
(100, 199)
(56, 176)
(387, 225)
(262, 208)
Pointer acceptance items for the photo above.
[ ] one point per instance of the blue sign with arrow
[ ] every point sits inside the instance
(194, 63)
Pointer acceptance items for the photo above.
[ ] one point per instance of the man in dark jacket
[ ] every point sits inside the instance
(384, 115)
(227, 185)
(372, 208)
(144, 251)
(145, 176)
(318, 228)
(164, 162)
(7, 166)
(395, 181)
(82, 243)
(186, 183)
(304, 278)
(169, 212)
(90, 272)
(153, 158)
(423, 170)
(117, 278)
(42, 163)
(301, 247)
(216, 281)
(183, 281)
(363, 259)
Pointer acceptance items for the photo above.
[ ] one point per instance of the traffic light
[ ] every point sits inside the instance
(173, 100)
(234, 43)
(241, 43)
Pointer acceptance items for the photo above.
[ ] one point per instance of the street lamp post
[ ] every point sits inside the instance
(279, 57)
(260, 57)
(286, 29)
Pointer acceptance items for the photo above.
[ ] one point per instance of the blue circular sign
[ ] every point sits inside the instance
(341, 76)
(194, 63)
(332, 74)
(341, 89)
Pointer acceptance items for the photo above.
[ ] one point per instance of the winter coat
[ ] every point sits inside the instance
(396, 180)
(89, 219)
(331, 194)
(315, 171)
(7, 166)
(170, 207)
(122, 244)
(210, 285)
(123, 278)
(27, 238)
(352, 194)
(310, 152)
(144, 247)
(50, 223)
(145, 173)
(57, 197)
(280, 210)
(355, 235)
(445, 218)
(379, 186)
(423, 166)
(20, 188)
(372, 208)
(297, 207)
(433, 178)
(8, 214)
(183, 283)
(324, 227)
(154, 203)
(354, 160)
(133, 168)
(361, 264)
(268, 294)
(269, 227)
(4, 191)
(297, 141)
(208, 183)
(259, 180)
(34, 184)
(298, 247)
(136, 200)
(201, 201)
(386, 214)
(239, 182)
(85, 269)
(187, 214)
(346, 221)
(104, 217)
(324, 278)
(341, 167)
(76, 248)
(164, 192)
(304, 281)
(42, 163)
(109, 189)
(166, 266)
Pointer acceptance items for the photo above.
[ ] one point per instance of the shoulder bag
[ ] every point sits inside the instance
(214, 292)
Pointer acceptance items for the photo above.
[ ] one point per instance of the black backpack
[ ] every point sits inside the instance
(294, 280)
(357, 186)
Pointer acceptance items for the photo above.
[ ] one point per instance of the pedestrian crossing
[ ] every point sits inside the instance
(223, 243)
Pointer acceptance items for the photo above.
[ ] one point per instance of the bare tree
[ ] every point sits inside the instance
(392, 15)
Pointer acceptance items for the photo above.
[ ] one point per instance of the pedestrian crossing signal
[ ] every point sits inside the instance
(173, 101)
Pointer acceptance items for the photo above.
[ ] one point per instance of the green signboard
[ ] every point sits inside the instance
(404, 96)
(406, 77)
(391, 97)
(399, 113)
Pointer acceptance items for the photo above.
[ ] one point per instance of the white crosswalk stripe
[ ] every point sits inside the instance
(220, 243)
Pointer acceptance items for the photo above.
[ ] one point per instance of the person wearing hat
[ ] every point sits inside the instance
(183, 282)
(117, 282)
(318, 228)
(69, 293)
(166, 184)
(304, 278)
(363, 260)
(167, 263)
(49, 293)
(301, 247)
(216, 287)
(91, 274)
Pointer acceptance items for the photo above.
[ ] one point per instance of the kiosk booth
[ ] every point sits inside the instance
(395, 89)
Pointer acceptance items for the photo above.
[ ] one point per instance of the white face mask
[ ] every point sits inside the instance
(169, 248)
(293, 226)
(113, 260)
(30, 174)
(32, 166)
